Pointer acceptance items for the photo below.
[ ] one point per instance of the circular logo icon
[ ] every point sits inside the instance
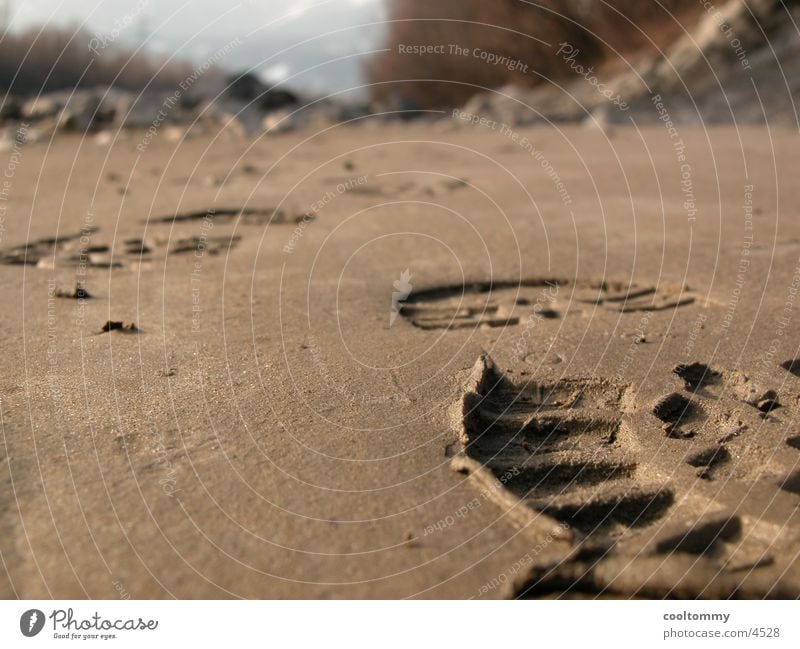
(31, 622)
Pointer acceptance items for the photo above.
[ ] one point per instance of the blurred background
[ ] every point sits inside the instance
(279, 38)
(279, 64)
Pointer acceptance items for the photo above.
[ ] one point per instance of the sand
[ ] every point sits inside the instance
(287, 404)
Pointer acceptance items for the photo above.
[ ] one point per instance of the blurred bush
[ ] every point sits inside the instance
(51, 59)
(601, 31)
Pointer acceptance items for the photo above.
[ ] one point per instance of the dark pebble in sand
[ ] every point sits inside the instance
(118, 325)
(79, 293)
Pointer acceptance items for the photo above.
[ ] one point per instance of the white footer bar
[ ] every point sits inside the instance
(401, 625)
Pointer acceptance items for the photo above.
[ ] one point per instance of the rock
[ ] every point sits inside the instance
(275, 98)
(245, 86)
(598, 120)
(232, 125)
(280, 121)
(40, 108)
(80, 110)
(174, 133)
(10, 108)
(42, 132)
(248, 88)
(89, 110)
(115, 325)
(7, 141)
(757, 42)
(78, 293)
(719, 63)
(104, 138)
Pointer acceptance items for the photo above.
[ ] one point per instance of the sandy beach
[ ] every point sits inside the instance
(423, 360)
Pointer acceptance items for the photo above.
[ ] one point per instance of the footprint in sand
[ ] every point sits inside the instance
(792, 366)
(66, 249)
(650, 516)
(78, 249)
(206, 245)
(728, 400)
(243, 215)
(397, 186)
(565, 447)
(145, 251)
(501, 304)
(69, 251)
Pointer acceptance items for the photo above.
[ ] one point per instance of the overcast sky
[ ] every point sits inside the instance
(195, 29)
